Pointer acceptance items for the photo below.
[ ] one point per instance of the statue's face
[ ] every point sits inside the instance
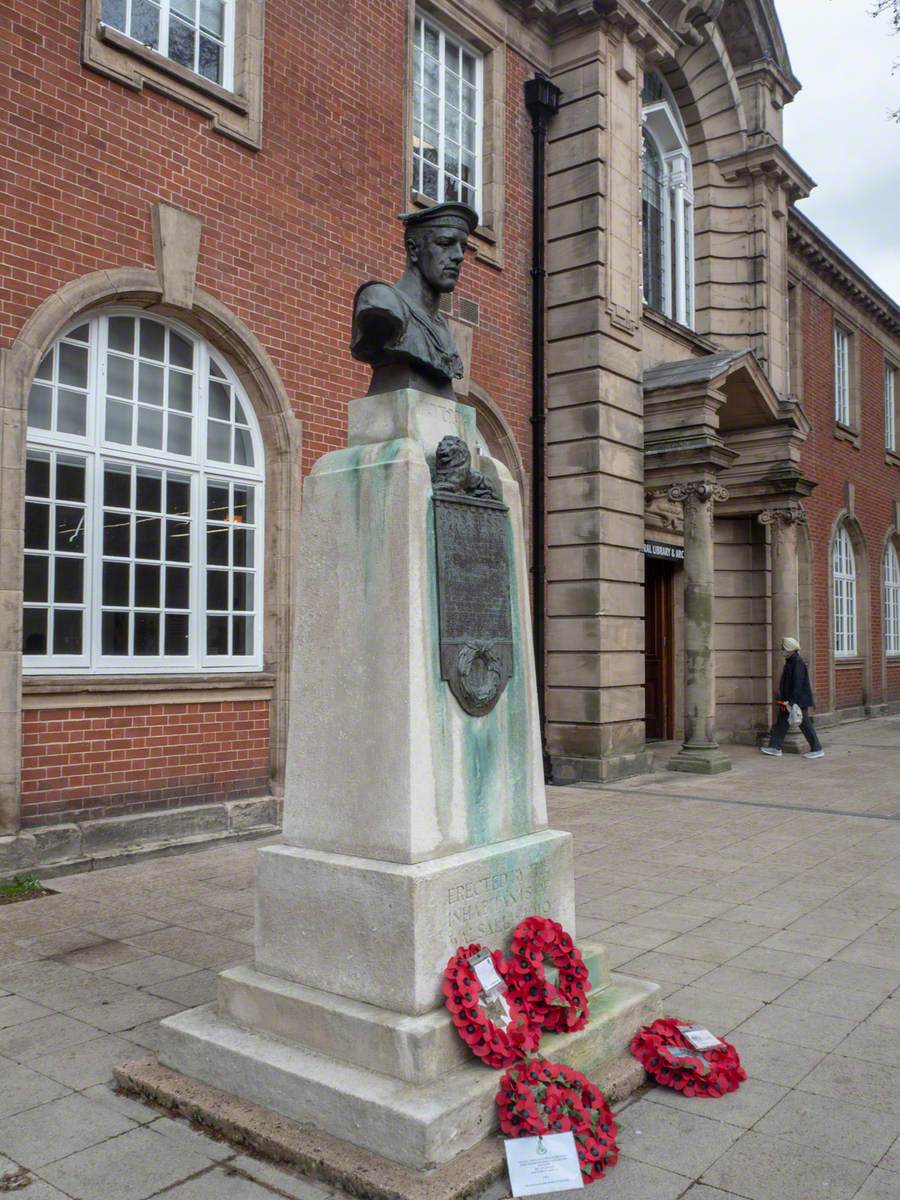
(438, 253)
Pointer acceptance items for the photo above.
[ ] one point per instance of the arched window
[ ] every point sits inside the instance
(891, 577)
(843, 571)
(144, 505)
(667, 205)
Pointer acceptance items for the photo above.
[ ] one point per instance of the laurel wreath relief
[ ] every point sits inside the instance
(479, 670)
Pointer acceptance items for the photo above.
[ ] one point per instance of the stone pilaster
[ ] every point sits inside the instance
(783, 524)
(700, 752)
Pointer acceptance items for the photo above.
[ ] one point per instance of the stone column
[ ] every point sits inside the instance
(783, 523)
(700, 752)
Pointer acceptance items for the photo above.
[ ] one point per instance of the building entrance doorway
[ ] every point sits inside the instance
(659, 654)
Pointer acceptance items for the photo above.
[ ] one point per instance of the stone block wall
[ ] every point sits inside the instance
(93, 763)
(741, 614)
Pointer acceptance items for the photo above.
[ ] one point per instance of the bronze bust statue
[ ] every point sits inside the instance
(398, 328)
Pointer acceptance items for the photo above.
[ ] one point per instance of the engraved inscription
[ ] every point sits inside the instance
(496, 903)
(472, 570)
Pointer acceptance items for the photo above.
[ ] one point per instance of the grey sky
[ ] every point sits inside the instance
(838, 130)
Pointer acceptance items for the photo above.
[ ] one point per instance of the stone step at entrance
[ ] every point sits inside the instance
(419, 1125)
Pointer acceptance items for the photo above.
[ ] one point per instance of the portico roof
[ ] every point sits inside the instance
(750, 399)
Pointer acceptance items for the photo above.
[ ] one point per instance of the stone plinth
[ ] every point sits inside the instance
(411, 826)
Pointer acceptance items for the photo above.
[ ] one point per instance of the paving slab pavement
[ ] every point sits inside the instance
(765, 901)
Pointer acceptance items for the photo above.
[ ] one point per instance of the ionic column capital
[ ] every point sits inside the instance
(790, 514)
(698, 490)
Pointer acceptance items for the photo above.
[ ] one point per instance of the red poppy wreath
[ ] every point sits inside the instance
(560, 1007)
(497, 1047)
(538, 1097)
(670, 1059)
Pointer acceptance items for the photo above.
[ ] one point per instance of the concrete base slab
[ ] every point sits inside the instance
(569, 769)
(420, 1126)
(700, 760)
(417, 1049)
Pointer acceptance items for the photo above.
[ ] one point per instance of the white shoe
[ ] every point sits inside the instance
(769, 750)
(814, 754)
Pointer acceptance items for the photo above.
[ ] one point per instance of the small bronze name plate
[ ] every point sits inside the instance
(471, 526)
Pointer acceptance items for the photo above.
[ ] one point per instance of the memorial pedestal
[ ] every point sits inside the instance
(411, 825)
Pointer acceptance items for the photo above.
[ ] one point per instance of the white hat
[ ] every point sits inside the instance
(790, 644)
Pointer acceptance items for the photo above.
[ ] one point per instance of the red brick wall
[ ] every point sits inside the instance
(832, 463)
(82, 763)
(289, 233)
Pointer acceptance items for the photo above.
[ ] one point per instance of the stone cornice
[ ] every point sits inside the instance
(808, 243)
(632, 19)
(771, 160)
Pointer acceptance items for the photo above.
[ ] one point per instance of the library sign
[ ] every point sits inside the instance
(663, 550)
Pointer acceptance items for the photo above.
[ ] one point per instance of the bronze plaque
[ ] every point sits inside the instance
(473, 598)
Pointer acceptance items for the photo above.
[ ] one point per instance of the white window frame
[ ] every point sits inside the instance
(97, 452)
(890, 406)
(165, 9)
(843, 574)
(842, 356)
(445, 36)
(891, 581)
(663, 126)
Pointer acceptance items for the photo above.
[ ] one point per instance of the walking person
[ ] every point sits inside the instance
(794, 689)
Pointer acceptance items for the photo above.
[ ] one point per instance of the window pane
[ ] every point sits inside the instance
(116, 580)
(68, 580)
(120, 335)
(178, 439)
(178, 497)
(114, 633)
(71, 410)
(216, 635)
(177, 625)
(181, 351)
(210, 59)
(217, 591)
(242, 592)
(219, 401)
(116, 534)
(34, 631)
(69, 529)
(39, 407)
(37, 475)
(67, 631)
(45, 369)
(181, 42)
(73, 366)
(145, 22)
(147, 537)
(217, 502)
(118, 422)
(37, 574)
(146, 633)
(242, 628)
(243, 547)
(119, 376)
(180, 391)
(117, 487)
(243, 505)
(178, 541)
(177, 587)
(37, 526)
(149, 492)
(151, 381)
(69, 480)
(212, 17)
(217, 545)
(150, 428)
(218, 441)
(146, 586)
(113, 13)
(153, 340)
(187, 8)
(243, 448)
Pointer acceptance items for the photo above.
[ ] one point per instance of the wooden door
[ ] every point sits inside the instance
(658, 654)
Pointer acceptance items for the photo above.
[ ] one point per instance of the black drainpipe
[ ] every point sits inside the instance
(542, 101)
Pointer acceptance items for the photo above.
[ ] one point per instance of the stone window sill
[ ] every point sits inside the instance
(891, 458)
(854, 661)
(95, 691)
(236, 114)
(684, 333)
(843, 433)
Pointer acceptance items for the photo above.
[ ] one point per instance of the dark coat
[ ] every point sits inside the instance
(794, 686)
